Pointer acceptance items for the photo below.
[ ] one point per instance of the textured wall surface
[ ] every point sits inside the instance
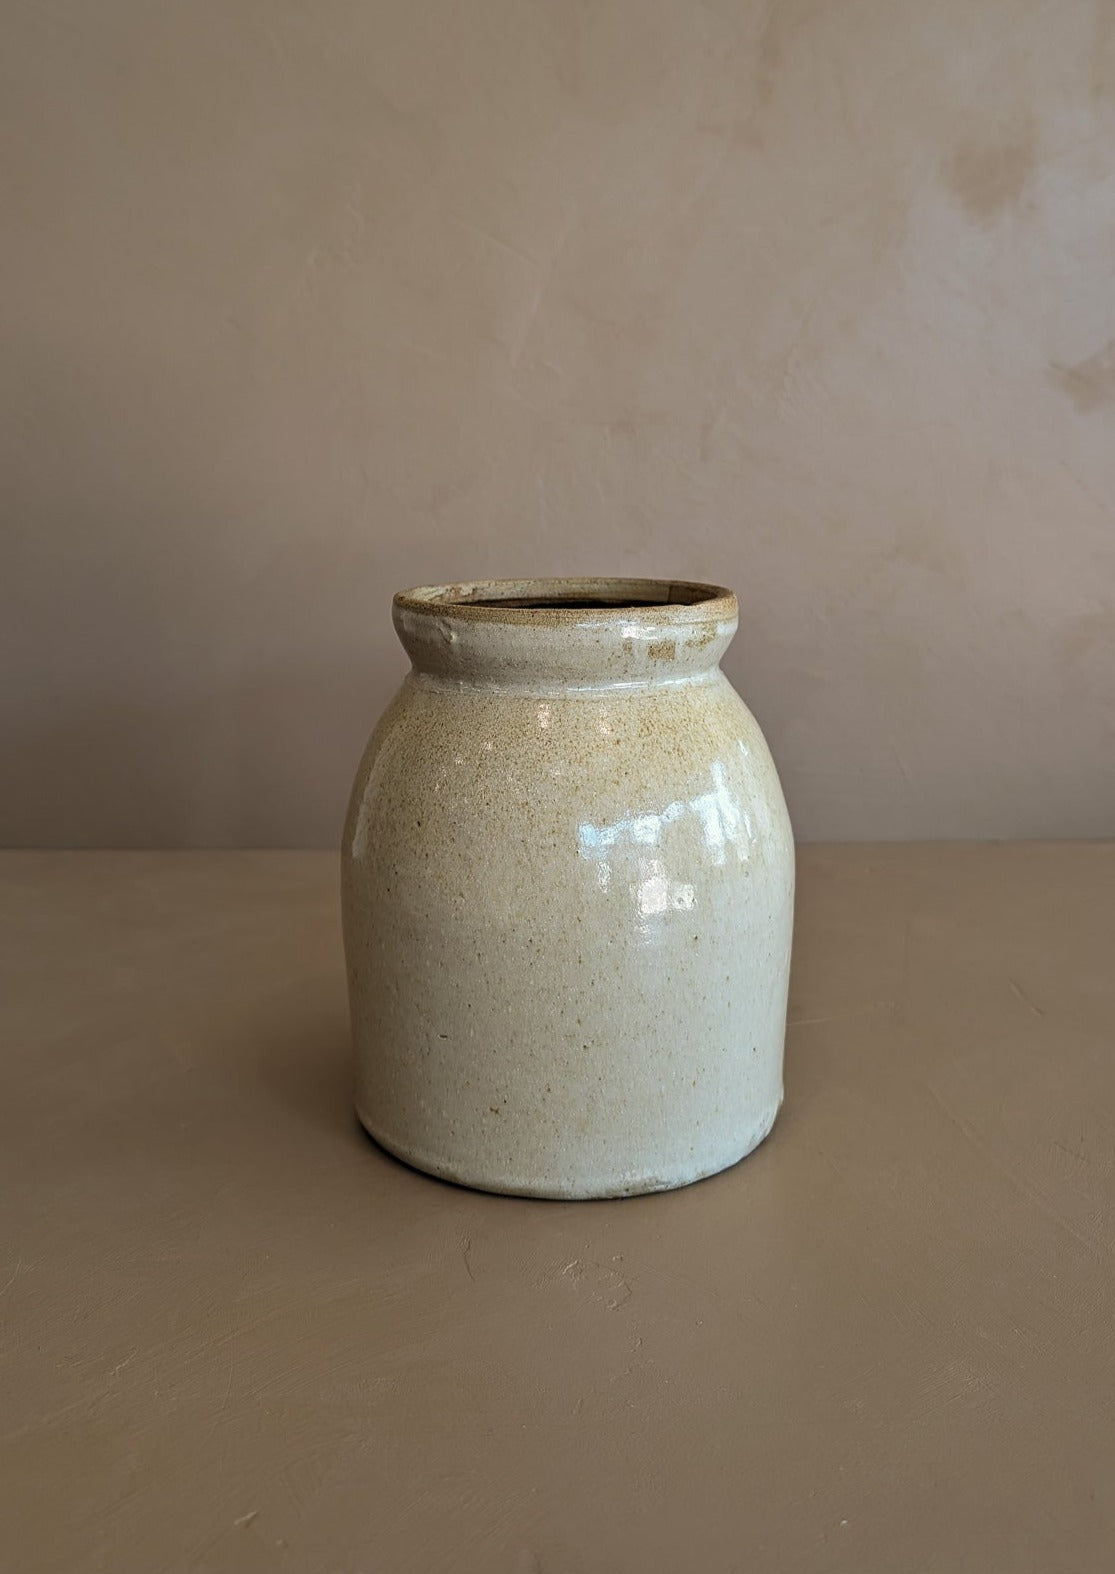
(304, 303)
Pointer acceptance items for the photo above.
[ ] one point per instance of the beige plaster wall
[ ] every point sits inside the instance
(304, 302)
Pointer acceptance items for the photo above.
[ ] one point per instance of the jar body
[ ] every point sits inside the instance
(567, 914)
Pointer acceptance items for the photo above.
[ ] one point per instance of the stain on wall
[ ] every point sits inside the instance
(990, 177)
(1090, 384)
(304, 304)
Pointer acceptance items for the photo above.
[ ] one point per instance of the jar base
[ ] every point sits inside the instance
(573, 1188)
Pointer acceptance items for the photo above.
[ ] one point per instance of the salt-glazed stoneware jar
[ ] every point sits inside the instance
(568, 880)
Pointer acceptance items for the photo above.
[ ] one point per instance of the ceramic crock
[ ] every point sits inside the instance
(567, 891)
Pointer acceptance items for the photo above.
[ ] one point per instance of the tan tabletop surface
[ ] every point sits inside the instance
(236, 1336)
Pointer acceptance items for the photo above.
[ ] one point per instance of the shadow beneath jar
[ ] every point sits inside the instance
(307, 1071)
(309, 1074)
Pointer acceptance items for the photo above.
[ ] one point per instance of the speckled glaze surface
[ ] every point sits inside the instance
(567, 884)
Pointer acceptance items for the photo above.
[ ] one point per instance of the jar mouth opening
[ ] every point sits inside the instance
(557, 600)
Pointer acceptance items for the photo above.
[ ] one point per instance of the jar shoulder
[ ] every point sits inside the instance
(603, 766)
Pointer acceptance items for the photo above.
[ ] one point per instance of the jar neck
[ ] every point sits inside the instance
(566, 633)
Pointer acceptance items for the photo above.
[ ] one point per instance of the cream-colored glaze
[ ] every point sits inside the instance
(568, 893)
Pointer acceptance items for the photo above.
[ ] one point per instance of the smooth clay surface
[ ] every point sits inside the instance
(237, 1338)
(568, 893)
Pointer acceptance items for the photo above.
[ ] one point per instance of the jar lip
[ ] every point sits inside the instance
(551, 603)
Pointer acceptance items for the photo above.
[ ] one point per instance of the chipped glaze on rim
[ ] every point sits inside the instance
(553, 603)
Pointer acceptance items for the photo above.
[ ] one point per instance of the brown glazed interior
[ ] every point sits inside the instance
(489, 599)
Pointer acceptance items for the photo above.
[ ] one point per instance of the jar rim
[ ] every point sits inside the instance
(554, 602)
